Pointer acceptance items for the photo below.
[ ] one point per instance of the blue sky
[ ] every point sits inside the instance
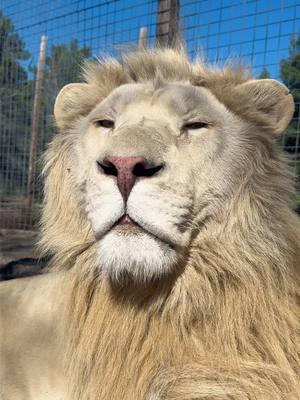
(258, 31)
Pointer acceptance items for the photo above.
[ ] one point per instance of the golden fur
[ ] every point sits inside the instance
(226, 324)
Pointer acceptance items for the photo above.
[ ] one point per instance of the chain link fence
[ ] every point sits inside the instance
(263, 34)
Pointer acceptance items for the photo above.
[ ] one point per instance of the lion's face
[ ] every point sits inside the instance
(158, 149)
(151, 161)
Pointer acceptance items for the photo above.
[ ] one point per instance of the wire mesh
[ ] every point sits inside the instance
(264, 34)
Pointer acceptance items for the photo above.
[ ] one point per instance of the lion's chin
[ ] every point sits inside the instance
(128, 249)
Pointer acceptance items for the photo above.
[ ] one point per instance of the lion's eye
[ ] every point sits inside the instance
(195, 125)
(104, 123)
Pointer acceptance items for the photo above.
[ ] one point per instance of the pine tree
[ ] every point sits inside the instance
(63, 66)
(264, 74)
(15, 97)
(290, 76)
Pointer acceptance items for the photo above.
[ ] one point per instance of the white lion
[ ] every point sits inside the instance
(176, 251)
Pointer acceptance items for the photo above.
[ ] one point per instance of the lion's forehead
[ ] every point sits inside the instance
(177, 99)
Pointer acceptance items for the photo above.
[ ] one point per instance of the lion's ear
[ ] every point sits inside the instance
(74, 100)
(269, 101)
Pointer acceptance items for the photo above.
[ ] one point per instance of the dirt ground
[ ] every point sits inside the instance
(16, 244)
(18, 256)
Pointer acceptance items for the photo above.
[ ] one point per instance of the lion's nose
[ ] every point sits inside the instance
(127, 170)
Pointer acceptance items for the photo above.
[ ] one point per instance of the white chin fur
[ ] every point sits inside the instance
(142, 256)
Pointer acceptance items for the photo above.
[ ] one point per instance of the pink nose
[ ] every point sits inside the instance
(127, 169)
(126, 177)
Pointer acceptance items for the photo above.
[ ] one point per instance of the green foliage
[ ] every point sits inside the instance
(290, 69)
(15, 93)
(290, 76)
(12, 50)
(264, 74)
(63, 65)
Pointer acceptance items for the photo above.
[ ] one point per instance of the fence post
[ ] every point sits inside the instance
(167, 27)
(143, 38)
(35, 122)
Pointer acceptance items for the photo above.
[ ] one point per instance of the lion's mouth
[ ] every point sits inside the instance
(125, 220)
(127, 225)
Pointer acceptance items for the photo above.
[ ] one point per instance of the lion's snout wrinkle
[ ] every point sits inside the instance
(127, 170)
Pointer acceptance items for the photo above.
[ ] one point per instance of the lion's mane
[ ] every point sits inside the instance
(227, 327)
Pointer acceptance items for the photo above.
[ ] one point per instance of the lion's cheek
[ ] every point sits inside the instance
(104, 205)
(165, 214)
